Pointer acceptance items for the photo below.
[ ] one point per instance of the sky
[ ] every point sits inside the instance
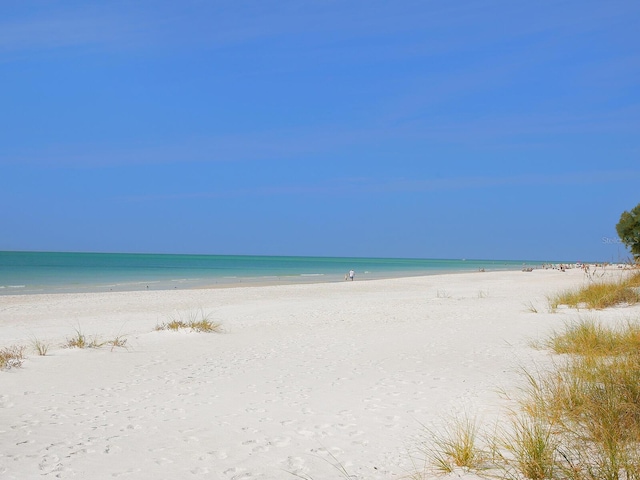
(418, 129)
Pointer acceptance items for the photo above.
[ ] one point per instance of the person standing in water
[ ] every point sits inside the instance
(351, 274)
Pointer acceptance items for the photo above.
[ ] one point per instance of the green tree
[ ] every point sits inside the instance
(628, 229)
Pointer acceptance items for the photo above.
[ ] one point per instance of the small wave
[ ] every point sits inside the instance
(312, 274)
(16, 286)
(128, 284)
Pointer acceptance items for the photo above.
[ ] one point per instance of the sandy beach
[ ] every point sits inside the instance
(302, 376)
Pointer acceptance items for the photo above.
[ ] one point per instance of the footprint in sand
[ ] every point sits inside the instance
(112, 449)
(127, 473)
(295, 466)
(200, 471)
(49, 463)
(324, 452)
(345, 426)
(235, 473)
(219, 454)
(279, 441)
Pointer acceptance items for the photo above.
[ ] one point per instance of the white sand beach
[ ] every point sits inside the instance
(302, 376)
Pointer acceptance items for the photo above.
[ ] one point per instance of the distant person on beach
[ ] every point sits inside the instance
(351, 274)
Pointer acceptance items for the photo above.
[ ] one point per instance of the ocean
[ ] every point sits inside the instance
(56, 272)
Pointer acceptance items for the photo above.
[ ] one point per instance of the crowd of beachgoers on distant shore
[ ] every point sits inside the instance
(584, 266)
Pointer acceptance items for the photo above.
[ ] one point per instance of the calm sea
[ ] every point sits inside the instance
(46, 272)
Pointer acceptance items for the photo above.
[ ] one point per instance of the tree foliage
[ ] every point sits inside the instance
(628, 229)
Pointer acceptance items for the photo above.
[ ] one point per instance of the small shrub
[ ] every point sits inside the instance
(11, 357)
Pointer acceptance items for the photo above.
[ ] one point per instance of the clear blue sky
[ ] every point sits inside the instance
(436, 129)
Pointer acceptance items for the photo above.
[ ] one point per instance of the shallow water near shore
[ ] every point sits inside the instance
(62, 272)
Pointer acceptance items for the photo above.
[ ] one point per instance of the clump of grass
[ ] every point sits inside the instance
(455, 446)
(11, 357)
(117, 342)
(598, 295)
(526, 447)
(443, 294)
(172, 325)
(205, 325)
(588, 337)
(80, 340)
(40, 347)
(634, 280)
(577, 420)
(196, 321)
(531, 307)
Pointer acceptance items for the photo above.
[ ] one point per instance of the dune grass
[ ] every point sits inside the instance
(119, 341)
(525, 447)
(11, 357)
(196, 321)
(456, 446)
(590, 338)
(599, 294)
(80, 340)
(531, 307)
(40, 347)
(577, 420)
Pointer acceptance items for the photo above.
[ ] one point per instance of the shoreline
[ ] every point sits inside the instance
(300, 374)
(237, 282)
(50, 272)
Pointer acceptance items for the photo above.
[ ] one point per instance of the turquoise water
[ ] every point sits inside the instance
(50, 272)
